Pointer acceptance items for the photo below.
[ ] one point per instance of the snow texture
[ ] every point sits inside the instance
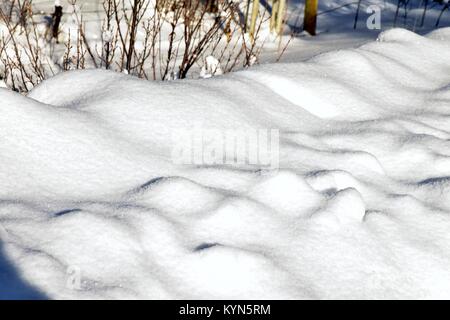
(92, 206)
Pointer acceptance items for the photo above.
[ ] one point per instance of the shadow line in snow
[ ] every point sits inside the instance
(435, 181)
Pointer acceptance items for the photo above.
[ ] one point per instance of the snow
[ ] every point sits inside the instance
(211, 68)
(92, 204)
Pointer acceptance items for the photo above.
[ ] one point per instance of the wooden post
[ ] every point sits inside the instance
(280, 16)
(273, 18)
(57, 20)
(310, 16)
(255, 13)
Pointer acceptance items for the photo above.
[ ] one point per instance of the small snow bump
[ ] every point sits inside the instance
(348, 205)
(286, 192)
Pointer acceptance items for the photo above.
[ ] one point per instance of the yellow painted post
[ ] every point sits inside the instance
(255, 13)
(280, 16)
(273, 18)
(310, 16)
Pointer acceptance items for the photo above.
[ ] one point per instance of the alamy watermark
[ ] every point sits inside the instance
(255, 147)
(373, 22)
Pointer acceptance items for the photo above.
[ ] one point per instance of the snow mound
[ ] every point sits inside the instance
(286, 192)
(92, 204)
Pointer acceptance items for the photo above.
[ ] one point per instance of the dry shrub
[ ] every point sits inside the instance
(150, 39)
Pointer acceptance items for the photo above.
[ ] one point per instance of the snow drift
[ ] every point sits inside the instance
(91, 205)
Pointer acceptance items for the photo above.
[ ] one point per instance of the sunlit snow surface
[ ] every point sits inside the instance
(360, 207)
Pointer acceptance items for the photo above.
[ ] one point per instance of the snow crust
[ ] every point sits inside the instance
(92, 206)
